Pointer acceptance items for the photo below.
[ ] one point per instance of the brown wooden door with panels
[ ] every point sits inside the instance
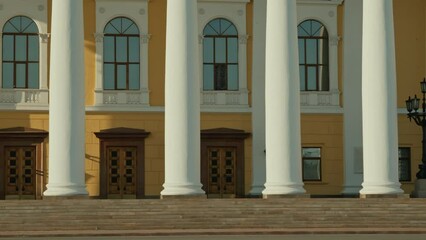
(122, 165)
(20, 174)
(221, 172)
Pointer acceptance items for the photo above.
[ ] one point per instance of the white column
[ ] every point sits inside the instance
(379, 109)
(67, 113)
(258, 98)
(182, 103)
(352, 75)
(283, 141)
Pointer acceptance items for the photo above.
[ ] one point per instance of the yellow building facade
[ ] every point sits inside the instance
(227, 126)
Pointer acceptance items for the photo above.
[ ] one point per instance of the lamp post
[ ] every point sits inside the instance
(419, 117)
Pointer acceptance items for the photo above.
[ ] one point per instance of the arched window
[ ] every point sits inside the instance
(313, 56)
(121, 69)
(20, 60)
(220, 55)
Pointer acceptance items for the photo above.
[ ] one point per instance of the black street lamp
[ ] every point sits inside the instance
(413, 105)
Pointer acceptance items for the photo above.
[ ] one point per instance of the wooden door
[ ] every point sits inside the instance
(121, 172)
(221, 172)
(20, 172)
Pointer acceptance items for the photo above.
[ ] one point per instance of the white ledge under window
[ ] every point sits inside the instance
(221, 99)
(129, 98)
(24, 99)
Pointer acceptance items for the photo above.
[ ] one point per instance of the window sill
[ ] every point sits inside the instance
(225, 98)
(24, 99)
(122, 97)
(319, 98)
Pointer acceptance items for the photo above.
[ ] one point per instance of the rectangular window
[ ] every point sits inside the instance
(404, 164)
(311, 163)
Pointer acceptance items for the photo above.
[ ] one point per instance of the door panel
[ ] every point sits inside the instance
(221, 172)
(20, 172)
(121, 172)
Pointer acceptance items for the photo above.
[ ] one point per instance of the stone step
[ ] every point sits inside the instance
(82, 215)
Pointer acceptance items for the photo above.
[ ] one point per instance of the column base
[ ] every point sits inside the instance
(381, 189)
(282, 189)
(420, 189)
(65, 191)
(181, 191)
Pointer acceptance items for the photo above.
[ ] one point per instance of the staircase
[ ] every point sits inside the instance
(211, 216)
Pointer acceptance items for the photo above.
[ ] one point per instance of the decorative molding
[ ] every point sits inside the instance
(334, 40)
(243, 39)
(145, 38)
(40, 7)
(200, 39)
(142, 11)
(201, 11)
(44, 37)
(99, 37)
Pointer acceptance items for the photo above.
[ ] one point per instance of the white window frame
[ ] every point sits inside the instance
(234, 11)
(137, 11)
(324, 11)
(27, 99)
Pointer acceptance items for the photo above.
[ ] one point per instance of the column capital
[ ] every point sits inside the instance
(243, 38)
(44, 37)
(145, 38)
(99, 37)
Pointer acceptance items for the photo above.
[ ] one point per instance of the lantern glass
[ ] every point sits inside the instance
(416, 103)
(423, 86)
(409, 104)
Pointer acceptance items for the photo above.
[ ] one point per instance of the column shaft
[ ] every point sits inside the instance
(283, 141)
(379, 109)
(182, 101)
(67, 104)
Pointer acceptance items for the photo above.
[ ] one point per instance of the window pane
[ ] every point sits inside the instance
(232, 77)
(323, 78)
(220, 77)
(311, 51)
(20, 75)
(32, 28)
(208, 30)
(215, 24)
(312, 79)
(404, 152)
(134, 76)
(33, 75)
(21, 48)
(301, 51)
(404, 170)
(231, 30)
(8, 48)
(323, 51)
(220, 50)
(121, 49)
(311, 152)
(302, 78)
(109, 75)
(311, 169)
(133, 29)
(108, 49)
(121, 77)
(208, 77)
(134, 49)
(208, 50)
(33, 48)
(232, 50)
(7, 75)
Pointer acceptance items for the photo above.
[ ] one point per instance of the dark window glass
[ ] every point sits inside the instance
(313, 56)
(311, 163)
(220, 55)
(404, 164)
(121, 55)
(20, 54)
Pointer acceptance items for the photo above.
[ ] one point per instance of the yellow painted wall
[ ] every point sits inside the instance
(89, 10)
(409, 21)
(325, 131)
